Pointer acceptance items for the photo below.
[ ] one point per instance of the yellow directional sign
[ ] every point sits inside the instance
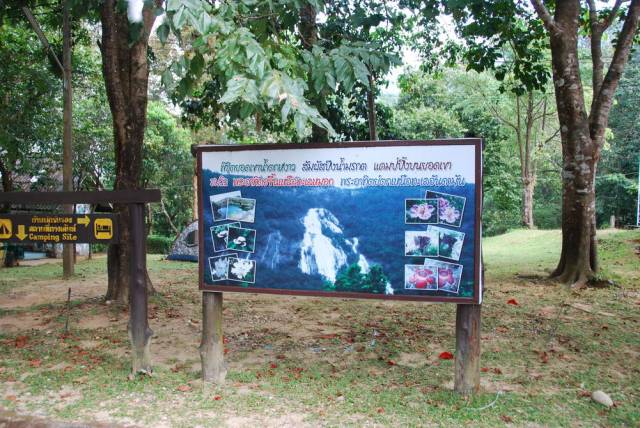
(21, 234)
(103, 228)
(55, 228)
(84, 220)
(6, 228)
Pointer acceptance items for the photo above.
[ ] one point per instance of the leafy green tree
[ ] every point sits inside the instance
(488, 28)
(248, 52)
(166, 140)
(618, 168)
(351, 278)
(30, 119)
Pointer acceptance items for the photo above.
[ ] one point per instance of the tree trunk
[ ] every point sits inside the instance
(126, 73)
(579, 154)
(582, 134)
(528, 187)
(371, 109)
(308, 30)
(7, 184)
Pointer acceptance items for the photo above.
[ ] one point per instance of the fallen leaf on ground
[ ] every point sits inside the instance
(328, 336)
(35, 363)
(512, 302)
(217, 398)
(380, 410)
(391, 363)
(273, 366)
(21, 341)
(446, 355)
(506, 419)
(484, 369)
(544, 357)
(184, 388)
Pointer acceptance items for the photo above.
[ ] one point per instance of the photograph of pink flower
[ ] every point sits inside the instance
(449, 275)
(450, 208)
(421, 211)
(420, 277)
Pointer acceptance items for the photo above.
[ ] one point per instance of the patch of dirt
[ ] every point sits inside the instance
(52, 292)
(289, 420)
(22, 321)
(411, 359)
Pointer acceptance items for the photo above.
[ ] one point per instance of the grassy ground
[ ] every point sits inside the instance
(309, 361)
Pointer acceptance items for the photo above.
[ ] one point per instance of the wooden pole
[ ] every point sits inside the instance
(467, 363)
(212, 346)
(139, 332)
(68, 250)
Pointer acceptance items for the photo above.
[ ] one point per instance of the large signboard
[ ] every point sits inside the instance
(393, 220)
(56, 228)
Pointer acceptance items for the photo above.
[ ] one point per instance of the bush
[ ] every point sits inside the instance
(157, 244)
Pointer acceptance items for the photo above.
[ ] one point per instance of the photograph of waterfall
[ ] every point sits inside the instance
(335, 231)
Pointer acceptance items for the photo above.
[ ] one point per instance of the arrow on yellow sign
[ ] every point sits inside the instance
(84, 220)
(21, 234)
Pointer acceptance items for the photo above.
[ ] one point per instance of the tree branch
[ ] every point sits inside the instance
(606, 22)
(596, 49)
(542, 11)
(603, 99)
(502, 119)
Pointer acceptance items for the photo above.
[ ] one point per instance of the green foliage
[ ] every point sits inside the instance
(30, 109)
(426, 123)
(351, 278)
(547, 204)
(157, 244)
(503, 36)
(169, 166)
(251, 62)
(616, 195)
(618, 167)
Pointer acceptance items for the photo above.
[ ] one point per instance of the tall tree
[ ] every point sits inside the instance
(125, 68)
(582, 130)
(529, 28)
(530, 120)
(29, 109)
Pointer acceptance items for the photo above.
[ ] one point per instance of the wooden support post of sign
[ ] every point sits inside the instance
(139, 332)
(212, 345)
(467, 363)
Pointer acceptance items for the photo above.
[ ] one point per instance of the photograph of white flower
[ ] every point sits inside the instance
(421, 211)
(242, 270)
(219, 266)
(219, 235)
(450, 208)
(241, 239)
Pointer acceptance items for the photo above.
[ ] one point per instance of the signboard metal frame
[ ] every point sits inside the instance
(478, 277)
